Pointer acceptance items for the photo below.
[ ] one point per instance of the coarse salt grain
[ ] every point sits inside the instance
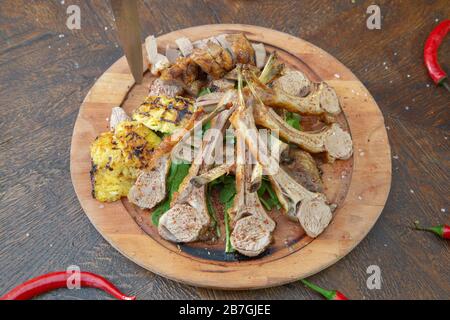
(395, 157)
(411, 190)
(443, 210)
(337, 75)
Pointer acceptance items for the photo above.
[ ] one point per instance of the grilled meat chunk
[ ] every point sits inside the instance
(207, 63)
(241, 49)
(184, 72)
(221, 56)
(303, 169)
(213, 60)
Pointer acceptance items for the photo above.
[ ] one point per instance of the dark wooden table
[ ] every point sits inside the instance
(47, 69)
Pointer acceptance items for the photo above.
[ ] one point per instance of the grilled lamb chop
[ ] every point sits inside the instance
(252, 227)
(332, 139)
(322, 101)
(311, 209)
(188, 219)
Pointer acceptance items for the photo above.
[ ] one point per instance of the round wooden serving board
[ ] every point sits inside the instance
(359, 186)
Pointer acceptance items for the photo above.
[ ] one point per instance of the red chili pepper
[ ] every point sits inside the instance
(430, 52)
(328, 294)
(56, 280)
(442, 231)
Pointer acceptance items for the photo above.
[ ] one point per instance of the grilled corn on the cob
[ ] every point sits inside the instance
(117, 157)
(164, 114)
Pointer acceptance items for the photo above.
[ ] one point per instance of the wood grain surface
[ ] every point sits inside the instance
(45, 76)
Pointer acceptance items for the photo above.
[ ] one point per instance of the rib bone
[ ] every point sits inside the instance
(322, 101)
(212, 174)
(332, 139)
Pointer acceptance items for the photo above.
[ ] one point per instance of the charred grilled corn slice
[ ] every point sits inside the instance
(136, 142)
(117, 157)
(164, 114)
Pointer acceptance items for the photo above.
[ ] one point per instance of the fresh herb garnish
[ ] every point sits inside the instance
(267, 195)
(178, 171)
(204, 91)
(293, 119)
(206, 127)
(211, 210)
(227, 191)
